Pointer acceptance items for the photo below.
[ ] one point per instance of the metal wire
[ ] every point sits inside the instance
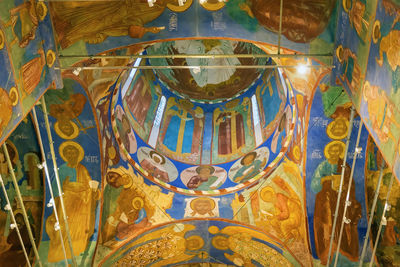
(46, 170)
(21, 203)
(46, 119)
(9, 208)
(347, 203)
(341, 185)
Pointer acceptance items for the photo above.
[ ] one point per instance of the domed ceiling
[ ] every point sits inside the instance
(218, 140)
(207, 84)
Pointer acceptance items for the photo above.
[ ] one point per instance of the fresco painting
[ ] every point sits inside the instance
(181, 131)
(202, 207)
(157, 165)
(203, 84)
(249, 166)
(323, 174)
(77, 146)
(182, 242)
(182, 142)
(233, 130)
(268, 95)
(135, 199)
(27, 49)
(277, 207)
(203, 177)
(79, 32)
(389, 245)
(142, 100)
(24, 158)
(380, 95)
(130, 206)
(10, 104)
(128, 138)
(355, 21)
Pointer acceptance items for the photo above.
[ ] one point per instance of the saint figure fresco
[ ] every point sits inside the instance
(125, 131)
(139, 100)
(325, 184)
(157, 165)
(249, 166)
(203, 177)
(233, 134)
(80, 197)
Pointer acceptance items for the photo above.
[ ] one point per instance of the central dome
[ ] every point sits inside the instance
(209, 79)
(175, 138)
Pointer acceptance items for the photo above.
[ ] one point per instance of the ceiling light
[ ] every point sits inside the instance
(196, 70)
(151, 2)
(202, 1)
(76, 71)
(303, 69)
(181, 2)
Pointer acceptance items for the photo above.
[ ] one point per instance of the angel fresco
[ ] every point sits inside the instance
(93, 22)
(285, 214)
(269, 95)
(381, 112)
(356, 10)
(247, 247)
(181, 132)
(24, 20)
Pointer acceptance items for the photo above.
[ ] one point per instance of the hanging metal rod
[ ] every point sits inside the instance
(46, 170)
(14, 222)
(53, 156)
(340, 185)
(371, 216)
(198, 56)
(21, 203)
(383, 219)
(79, 68)
(357, 150)
(280, 27)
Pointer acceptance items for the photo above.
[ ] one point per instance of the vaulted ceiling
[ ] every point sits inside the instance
(199, 133)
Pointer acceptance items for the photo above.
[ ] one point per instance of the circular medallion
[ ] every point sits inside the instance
(41, 10)
(212, 5)
(13, 96)
(194, 242)
(339, 53)
(66, 129)
(338, 128)
(71, 145)
(220, 242)
(50, 58)
(178, 8)
(376, 31)
(334, 149)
